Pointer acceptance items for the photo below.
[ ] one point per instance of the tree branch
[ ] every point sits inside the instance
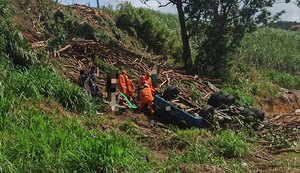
(160, 5)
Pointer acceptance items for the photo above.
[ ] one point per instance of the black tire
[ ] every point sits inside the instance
(171, 92)
(229, 100)
(260, 115)
(212, 98)
(207, 112)
(244, 112)
(250, 114)
(219, 100)
(254, 110)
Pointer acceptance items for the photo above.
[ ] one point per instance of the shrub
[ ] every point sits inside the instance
(228, 144)
(159, 31)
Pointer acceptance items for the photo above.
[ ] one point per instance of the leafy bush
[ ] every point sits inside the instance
(229, 144)
(159, 31)
(284, 79)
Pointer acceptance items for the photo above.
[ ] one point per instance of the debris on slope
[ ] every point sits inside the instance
(286, 120)
(288, 102)
(84, 52)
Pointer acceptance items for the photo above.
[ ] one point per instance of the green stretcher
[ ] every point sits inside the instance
(127, 100)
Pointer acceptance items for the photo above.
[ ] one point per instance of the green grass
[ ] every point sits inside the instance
(229, 144)
(272, 49)
(206, 147)
(34, 142)
(159, 31)
(267, 60)
(40, 81)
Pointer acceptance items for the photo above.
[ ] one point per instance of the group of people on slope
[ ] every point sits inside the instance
(125, 85)
(145, 87)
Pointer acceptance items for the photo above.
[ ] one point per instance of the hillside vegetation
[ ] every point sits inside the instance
(49, 124)
(267, 60)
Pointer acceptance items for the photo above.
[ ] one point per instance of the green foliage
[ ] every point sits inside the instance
(205, 147)
(82, 30)
(55, 42)
(275, 53)
(192, 135)
(34, 142)
(103, 66)
(243, 97)
(12, 43)
(279, 140)
(284, 79)
(159, 31)
(39, 81)
(219, 27)
(228, 144)
(129, 127)
(272, 49)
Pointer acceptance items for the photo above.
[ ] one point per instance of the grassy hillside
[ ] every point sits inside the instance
(37, 131)
(49, 124)
(267, 59)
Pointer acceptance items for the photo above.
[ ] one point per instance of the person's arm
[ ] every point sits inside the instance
(122, 82)
(153, 91)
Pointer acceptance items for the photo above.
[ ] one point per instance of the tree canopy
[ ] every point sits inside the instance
(222, 24)
(217, 27)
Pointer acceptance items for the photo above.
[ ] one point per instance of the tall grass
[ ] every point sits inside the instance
(159, 31)
(267, 59)
(272, 49)
(206, 147)
(41, 81)
(12, 43)
(34, 142)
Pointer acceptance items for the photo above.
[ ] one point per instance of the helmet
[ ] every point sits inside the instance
(124, 72)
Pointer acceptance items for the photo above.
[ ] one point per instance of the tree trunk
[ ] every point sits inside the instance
(187, 57)
(98, 5)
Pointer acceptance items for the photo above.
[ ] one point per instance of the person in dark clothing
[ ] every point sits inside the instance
(92, 73)
(82, 78)
(88, 81)
(92, 81)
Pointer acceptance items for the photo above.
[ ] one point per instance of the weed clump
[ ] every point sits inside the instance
(228, 144)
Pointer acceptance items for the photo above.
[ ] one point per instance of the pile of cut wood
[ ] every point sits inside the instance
(85, 52)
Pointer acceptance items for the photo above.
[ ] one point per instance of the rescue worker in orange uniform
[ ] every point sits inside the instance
(145, 79)
(130, 89)
(122, 82)
(147, 98)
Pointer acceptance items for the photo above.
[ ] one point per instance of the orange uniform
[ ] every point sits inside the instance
(145, 79)
(147, 98)
(122, 82)
(130, 88)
